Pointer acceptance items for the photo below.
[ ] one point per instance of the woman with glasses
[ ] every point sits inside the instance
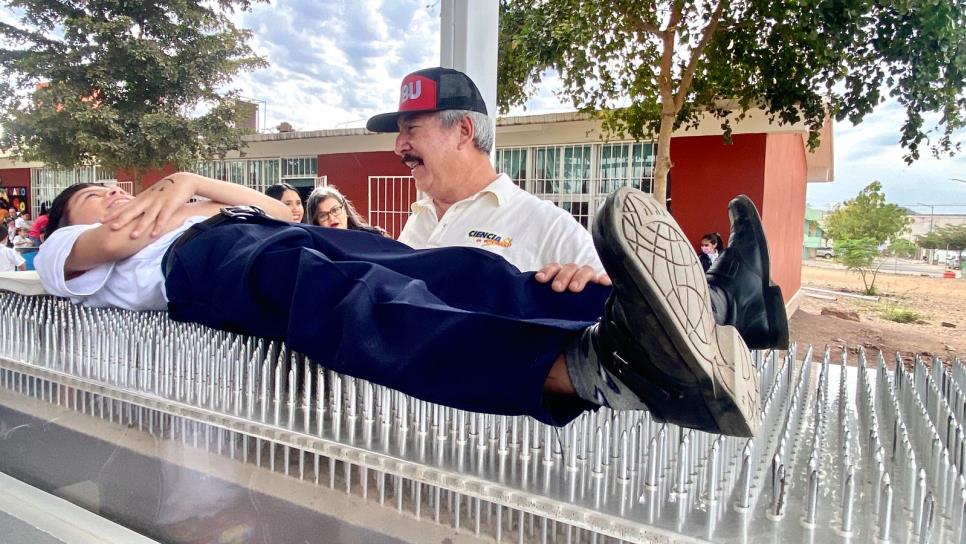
(327, 207)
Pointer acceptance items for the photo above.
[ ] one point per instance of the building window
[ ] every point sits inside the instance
(298, 167)
(579, 177)
(513, 162)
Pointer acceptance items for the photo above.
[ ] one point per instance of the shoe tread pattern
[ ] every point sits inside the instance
(656, 241)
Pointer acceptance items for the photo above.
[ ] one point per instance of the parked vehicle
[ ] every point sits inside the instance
(825, 252)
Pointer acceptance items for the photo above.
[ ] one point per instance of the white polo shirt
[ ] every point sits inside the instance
(505, 219)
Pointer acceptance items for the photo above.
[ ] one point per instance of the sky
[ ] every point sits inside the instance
(334, 63)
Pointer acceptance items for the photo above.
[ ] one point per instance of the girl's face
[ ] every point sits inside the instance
(91, 204)
(294, 202)
(707, 246)
(331, 214)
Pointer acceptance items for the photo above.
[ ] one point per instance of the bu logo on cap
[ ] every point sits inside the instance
(411, 90)
(417, 93)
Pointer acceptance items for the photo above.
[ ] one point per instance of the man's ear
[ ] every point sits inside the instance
(467, 128)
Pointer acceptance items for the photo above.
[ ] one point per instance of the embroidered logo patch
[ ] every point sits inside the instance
(484, 238)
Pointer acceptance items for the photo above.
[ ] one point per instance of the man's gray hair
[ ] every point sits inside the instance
(483, 131)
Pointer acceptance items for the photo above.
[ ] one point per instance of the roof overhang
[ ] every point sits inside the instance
(12, 162)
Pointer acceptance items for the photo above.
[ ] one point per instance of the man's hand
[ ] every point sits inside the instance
(570, 276)
(153, 208)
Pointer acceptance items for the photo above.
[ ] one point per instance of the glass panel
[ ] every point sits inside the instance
(547, 172)
(513, 162)
(576, 169)
(630, 164)
(613, 167)
(298, 167)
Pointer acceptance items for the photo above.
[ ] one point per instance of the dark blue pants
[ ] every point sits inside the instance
(454, 326)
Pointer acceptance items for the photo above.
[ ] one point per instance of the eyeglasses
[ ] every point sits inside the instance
(324, 216)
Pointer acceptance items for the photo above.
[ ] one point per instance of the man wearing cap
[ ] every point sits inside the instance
(446, 137)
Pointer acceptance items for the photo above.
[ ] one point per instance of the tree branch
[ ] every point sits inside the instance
(677, 11)
(637, 22)
(696, 55)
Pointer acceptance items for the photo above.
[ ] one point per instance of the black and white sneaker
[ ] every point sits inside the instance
(658, 335)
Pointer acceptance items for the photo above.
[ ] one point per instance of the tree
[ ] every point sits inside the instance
(645, 68)
(900, 247)
(859, 256)
(946, 237)
(867, 216)
(128, 85)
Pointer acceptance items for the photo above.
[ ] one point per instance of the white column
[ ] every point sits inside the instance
(468, 42)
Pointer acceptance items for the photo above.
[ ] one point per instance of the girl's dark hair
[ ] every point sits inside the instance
(715, 239)
(276, 191)
(354, 219)
(58, 215)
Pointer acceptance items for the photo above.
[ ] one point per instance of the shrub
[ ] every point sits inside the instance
(899, 314)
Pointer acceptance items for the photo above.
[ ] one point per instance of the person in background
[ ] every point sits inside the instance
(36, 233)
(10, 225)
(20, 240)
(10, 260)
(711, 248)
(289, 196)
(22, 221)
(328, 207)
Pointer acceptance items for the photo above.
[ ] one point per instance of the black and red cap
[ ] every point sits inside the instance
(432, 89)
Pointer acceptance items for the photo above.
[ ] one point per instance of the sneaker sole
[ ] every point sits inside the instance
(652, 255)
(774, 302)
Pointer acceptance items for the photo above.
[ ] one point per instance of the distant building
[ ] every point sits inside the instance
(814, 233)
(924, 223)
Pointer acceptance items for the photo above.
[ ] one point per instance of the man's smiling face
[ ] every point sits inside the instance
(423, 145)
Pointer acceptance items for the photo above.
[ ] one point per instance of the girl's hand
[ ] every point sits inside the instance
(153, 208)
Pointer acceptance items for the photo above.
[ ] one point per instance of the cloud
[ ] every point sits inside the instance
(335, 62)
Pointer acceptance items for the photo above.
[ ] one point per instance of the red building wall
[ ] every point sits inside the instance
(148, 179)
(349, 172)
(15, 177)
(18, 178)
(770, 169)
(783, 208)
(707, 173)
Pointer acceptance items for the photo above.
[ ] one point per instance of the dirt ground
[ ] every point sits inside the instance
(936, 300)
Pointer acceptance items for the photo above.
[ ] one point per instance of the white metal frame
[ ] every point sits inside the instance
(390, 201)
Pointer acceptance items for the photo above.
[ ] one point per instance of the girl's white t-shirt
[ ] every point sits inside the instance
(135, 283)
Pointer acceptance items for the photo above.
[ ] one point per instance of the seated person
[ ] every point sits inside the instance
(454, 326)
(22, 240)
(10, 259)
(288, 195)
(327, 207)
(711, 246)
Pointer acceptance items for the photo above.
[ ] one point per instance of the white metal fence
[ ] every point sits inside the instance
(46, 184)
(390, 200)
